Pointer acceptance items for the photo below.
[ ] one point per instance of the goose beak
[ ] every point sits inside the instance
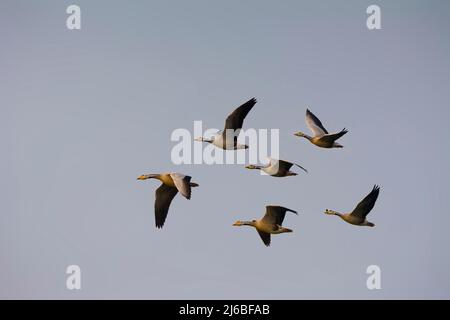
(142, 177)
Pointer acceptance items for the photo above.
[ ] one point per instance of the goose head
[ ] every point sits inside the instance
(203, 139)
(332, 212)
(148, 176)
(299, 134)
(244, 223)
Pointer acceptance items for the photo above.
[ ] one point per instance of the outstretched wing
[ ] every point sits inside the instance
(236, 119)
(275, 214)
(366, 205)
(314, 124)
(164, 196)
(334, 136)
(182, 183)
(283, 165)
(287, 165)
(265, 237)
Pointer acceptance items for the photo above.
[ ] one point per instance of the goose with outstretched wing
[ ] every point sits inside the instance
(358, 215)
(321, 137)
(227, 138)
(277, 168)
(172, 183)
(271, 223)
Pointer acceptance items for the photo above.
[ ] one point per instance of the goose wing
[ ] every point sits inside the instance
(182, 183)
(286, 165)
(265, 237)
(236, 119)
(314, 124)
(366, 205)
(275, 215)
(334, 136)
(164, 196)
(282, 165)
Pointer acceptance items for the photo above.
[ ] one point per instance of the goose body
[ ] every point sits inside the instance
(227, 138)
(277, 168)
(358, 216)
(172, 183)
(321, 137)
(219, 140)
(271, 223)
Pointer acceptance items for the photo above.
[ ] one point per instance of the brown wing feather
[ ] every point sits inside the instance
(164, 196)
(286, 165)
(366, 205)
(265, 237)
(236, 119)
(333, 137)
(275, 214)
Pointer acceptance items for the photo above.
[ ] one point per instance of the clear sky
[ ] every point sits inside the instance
(83, 113)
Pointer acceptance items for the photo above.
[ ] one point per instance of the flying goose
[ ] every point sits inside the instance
(277, 168)
(269, 224)
(172, 183)
(321, 136)
(358, 215)
(227, 138)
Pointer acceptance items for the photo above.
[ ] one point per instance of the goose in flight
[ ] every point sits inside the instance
(269, 224)
(321, 136)
(358, 215)
(172, 183)
(277, 168)
(227, 138)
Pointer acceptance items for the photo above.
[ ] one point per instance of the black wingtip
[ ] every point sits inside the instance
(306, 171)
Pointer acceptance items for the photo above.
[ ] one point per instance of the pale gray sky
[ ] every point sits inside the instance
(83, 113)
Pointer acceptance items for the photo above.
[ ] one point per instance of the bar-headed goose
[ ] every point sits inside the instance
(172, 183)
(321, 136)
(277, 168)
(227, 138)
(269, 224)
(358, 215)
